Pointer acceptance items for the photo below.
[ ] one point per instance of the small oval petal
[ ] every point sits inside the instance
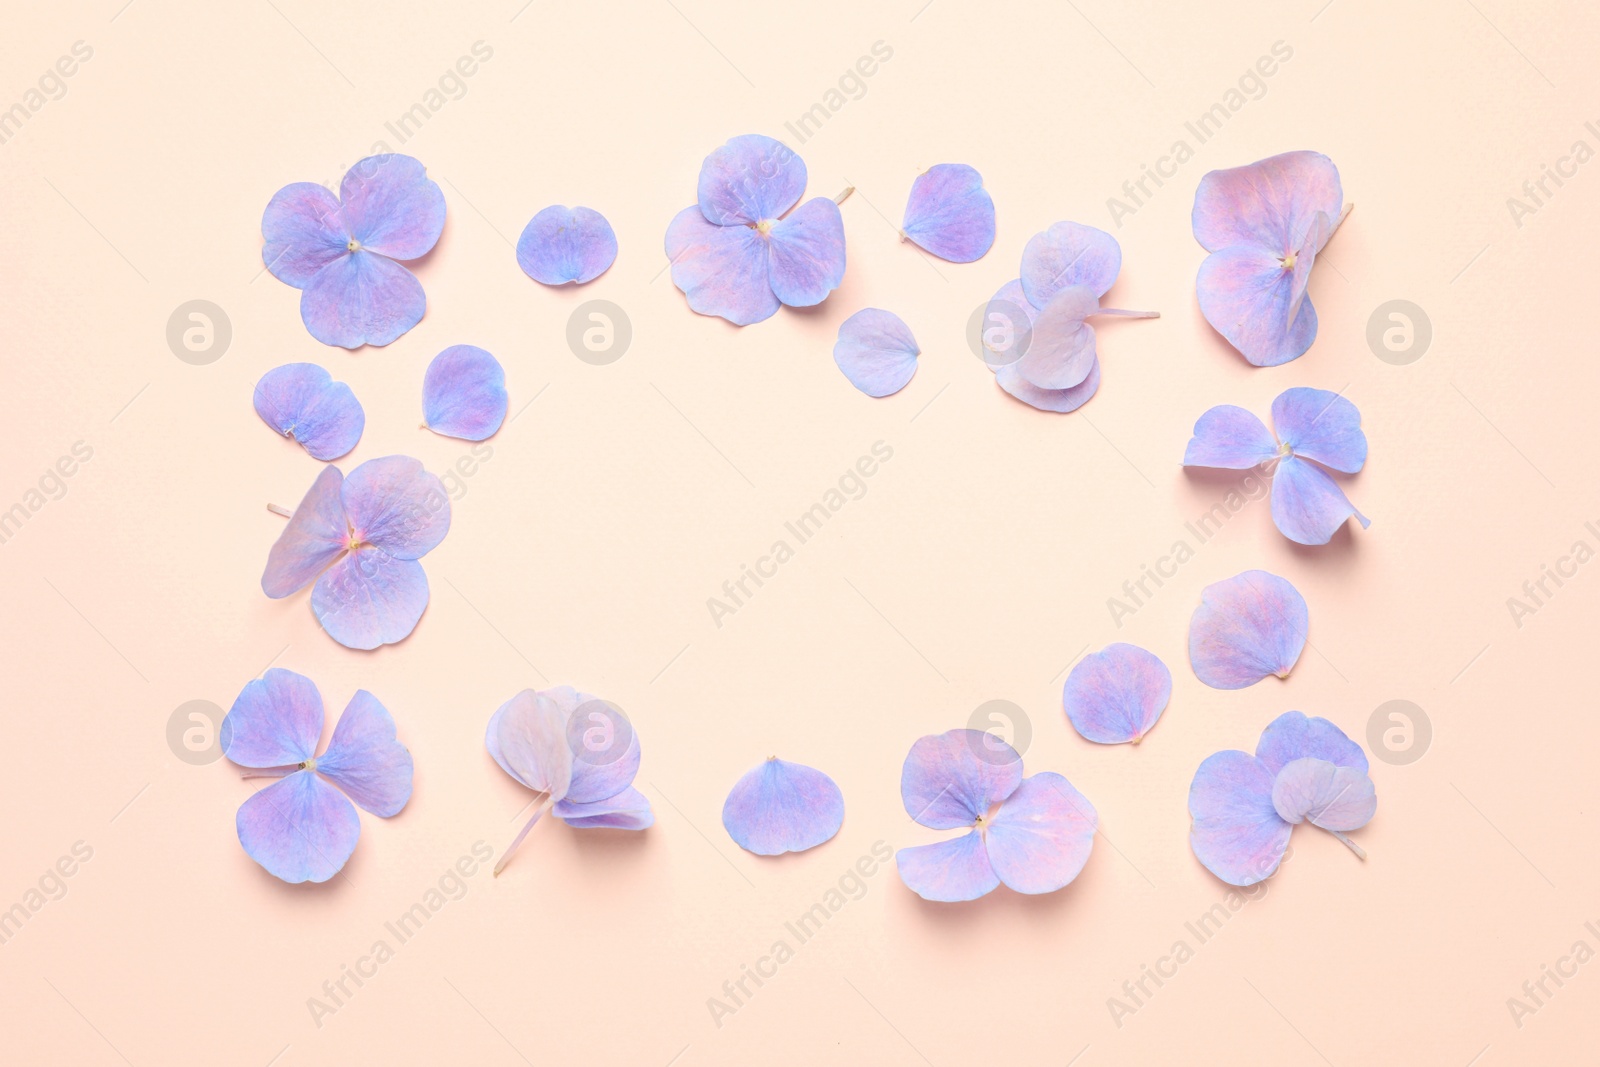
(1116, 694)
(1042, 835)
(782, 807)
(566, 244)
(366, 759)
(950, 779)
(722, 270)
(950, 213)
(948, 871)
(1058, 400)
(876, 351)
(370, 598)
(1229, 438)
(1308, 506)
(1236, 832)
(1294, 735)
(301, 401)
(464, 393)
(276, 720)
(1246, 628)
(628, 810)
(528, 738)
(750, 179)
(1321, 425)
(1324, 794)
(299, 828)
(1069, 254)
(806, 253)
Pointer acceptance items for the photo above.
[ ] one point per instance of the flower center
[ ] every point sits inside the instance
(1288, 261)
(1284, 450)
(764, 227)
(353, 245)
(309, 765)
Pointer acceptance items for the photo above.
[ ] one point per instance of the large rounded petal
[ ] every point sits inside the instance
(1062, 350)
(362, 298)
(366, 760)
(303, 232)
(782, 807)
(370, 598)
(314, 538)
(806, 253)
(628, 810)
(566, 244)
(1268, 204)
(1068, 254)
(275, 721)
(303, 402)
(1245, 294)
(749, 179)
(876, 351)
(948, 871)
(1247, 627)
(950, 213)
(953, 778)
(1116, 694)
(1058, 400)
(1235, 831)
(1042, 835)
(1294, 735)
(396, 505)
(392, 207)
(1321, 425)
(1324, 794)
(722, 270)
(464, 393)
(1229, 438)
(528, 738)
(1307, 505)
(300, 828)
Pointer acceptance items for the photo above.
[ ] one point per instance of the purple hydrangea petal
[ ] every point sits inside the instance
(806, 253)
(394, 504)
(1116, 694)
(464, 393)
(604, 746)
(1062, 349)
(362, 299)
(370, 598)
(628, 810)
(950, 213)
(876, 351)
(314, 538)
(782, 807)
(1321, 425)
(303, 402)
(300, 828)
(366, 760)
(1247, 627)
(1307, 505)
(1069, 254)
(566, 244)
(1305, 258)
(750, 179)
(303, 231)
(1042, 835)
(1294, 735)
(392, 207)
(1269, 203)
(951, 779)
(1235, 831)
(1007, 328)
(1245, 294)
(722, 270)
(528, 738)
(1059, 400)
(275, 721)
(948, 871)
(1229, 438)
(1324, 794)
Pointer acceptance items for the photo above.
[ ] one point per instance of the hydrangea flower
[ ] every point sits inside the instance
(301, 828)
(1034, 834)
(344, 254)
(1116, 694)
(302, 402)
(359, 538)
(782, 807)
(1246, 628)
(1314, 427)
(740, 252)
(876, 351)
(1244, 807)
(566, 244)
(580, 752)
(950, 213)
(464, 393)
(1264, 225)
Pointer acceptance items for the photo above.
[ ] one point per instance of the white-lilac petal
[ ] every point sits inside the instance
(876, 351)
(782, 807)
(1295, 735)
(391, 502)
(1042, 835)
(1235, 831)
(953, 778)
(1246, 628)
(1308, 506)
(528, 738)
(1324, 794)
(1062, 349)
(627, 810)
(722, 270)
(313, 538)
(1007, 327)
(1069, 254)
(948, 871)
(1060, 401)
(1117, 694)
(464, 393)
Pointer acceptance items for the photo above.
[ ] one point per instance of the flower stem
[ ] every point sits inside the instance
(272, 772)
(842, 197)
(1339, 222)
(1127, 314)
(279, 509)
(544, 805)
(1351, 845)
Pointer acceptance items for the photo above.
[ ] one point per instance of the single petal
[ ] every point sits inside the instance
(392, 207)
(366, 760)
(303, 402)
(951, 779)
(749, 179)
(1116, 694)
(1305, 257)
(1307, 505)
(361, 298)
(950, 213)
(370, 598)
(1069, 254)
(1059, 400)
(1042, 835)
(275, 721)
(314, 538)
(1007, 327)
(1269, 203)
(1245, 294)
(303, 231)
(1293, 735)
(395, 504)
(628, 810)
(566, 244)
(1324, 794)
(1062, 349)
(1321, 425)
(1229, 438)
(603, 743)
(1247, 627)
(464, 393)
(1235, 831)
(876, 351)
(528, 738)
(948, 871)
(722, 270)
(300, 828)
(806, 253)
(782, 807)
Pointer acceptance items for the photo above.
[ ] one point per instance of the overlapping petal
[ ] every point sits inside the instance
(392, 207)
(370, 598)
(1307, 505)
(1324, 794)
(528, 738)
(945, 783)
(562, 244)
(627, 810)
(1117, 694)
(1246, 628)
(1007, 328)
(1235, 830)
(750, 179)
(950, 213)
(464, 393)
(362, 298)
(1069, 254)
(722, 270)
(1062, 350)
(1321, 425)
(948, 871)
(782, 807)
(1246, 294)
(394, 504)
(303, 402)
(1269, 203)
(1011, 380)
(1042, 835)
(1294, 735)
(876, 351)
(315, 536)
(806, 253)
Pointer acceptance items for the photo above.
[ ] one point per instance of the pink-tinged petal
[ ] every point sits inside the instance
(1062, 349)
(396, 505)
(749, 179)
(1321, 425)
(1293, 735)
(366, 760)
(1057, 400)
(370, 598)
(1229, 438)
(464, 393)
(1007, 328)
(876, 351)
(1116, 694)
(950, 213)
(275, 721)
(948, 871)
(1305, 258)
(1042, 835)
(782, 807)
(303, 232)
(360, 299)
(1269, 204)
(1307, 505)
(806, 253)
(951, 779)
(604, 746)
(1247, 627)
(392, 207)
(628, 810)
(301, 401)
(1245, 294)
(1235, 831)
(528, 738)
(314, 538)
(1069, 254)
(1324, 794)
(722, 270)
(300, 829)
(566, 244)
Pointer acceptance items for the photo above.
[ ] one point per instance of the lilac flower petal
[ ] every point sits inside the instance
(1305, 258)
(1069, 254)
(313, 538)
(1307, 505)
(528, 738)
(1321, 425)
(603, 764)
(1235, 831)
(782, 807)
(1269, 203)
(946, 783)
(392, 207)
(366, 760)
(1042, 835)
(628, 810)
(1007, 328)
(370, 598)
(948, 871)
(1059, 400)
(876, 352)
(1229, 438)
(950, 213)
(300, 828)
(1293, 735)
(1116, 694)
(806, 253)
(722, 270)
(464, 393)
(566, 244)
(750, 179)
(303, 231)
(1062, 350)
(275, 721)
(1324, 794)
(396, 505)
(1245, 294)
(1247, 627)
(362, 299)
(303, 402)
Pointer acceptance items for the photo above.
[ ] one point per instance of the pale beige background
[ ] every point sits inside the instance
(976, 567)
